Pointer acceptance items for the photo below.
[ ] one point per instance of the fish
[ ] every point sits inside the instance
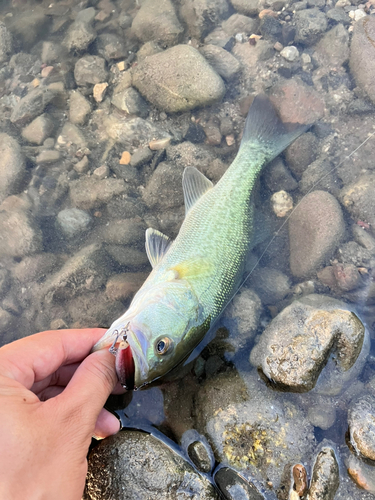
(196, 275)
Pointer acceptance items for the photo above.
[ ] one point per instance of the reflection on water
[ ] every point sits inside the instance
(103, 104)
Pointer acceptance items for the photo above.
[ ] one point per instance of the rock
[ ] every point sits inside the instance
(29, 26)
(125, 207)
(5, 281)
(352, 253)
(160, 194)
(220, 38)
(38, 130)
(19, 235)
(362, 475)
(271, 285)
(12, 166)
(310, 24)
(101, 172)
(124, 286)
(226, 65)
(86, 271)
(52, 52)
(187, 154)
(271, 29)
(73, 221)
(111, 46)
(246, 7)
(321, 413)
(362, 427)
(99, 91)
(201, 16)
(131, 132)
(31, 106)
(140, 157)
(36, 267)
(144, 467)
(79, 36)
(278, 177)
(332, 51)
(47, 156)
(296, 102)
(315, 231)
(128, 256)
(157, 22)
(86, 15)
(88, 192)
(325, 476)
(90, 69)
(338, 15)
(82, 166)
(131, 102)
(282, 203)
(122, 232)
(178, 79)
(237, 23)
(296, 345)
(79, 108)
(362, 55)
(6, 43)
(358, 198)
(320, 173)
(148, 49)
(290, 53)
(301, 153)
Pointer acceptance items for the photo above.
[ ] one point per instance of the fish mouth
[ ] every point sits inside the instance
(125, 366)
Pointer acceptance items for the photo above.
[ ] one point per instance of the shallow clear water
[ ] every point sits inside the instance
(80, 269)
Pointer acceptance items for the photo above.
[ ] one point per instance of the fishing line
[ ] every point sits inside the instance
(276, 234)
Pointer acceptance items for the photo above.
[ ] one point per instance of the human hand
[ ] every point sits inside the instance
(52, 394)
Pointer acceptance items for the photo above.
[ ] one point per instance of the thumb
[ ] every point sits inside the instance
(89, 388)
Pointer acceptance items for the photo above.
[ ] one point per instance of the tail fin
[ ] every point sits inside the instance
(265, 127)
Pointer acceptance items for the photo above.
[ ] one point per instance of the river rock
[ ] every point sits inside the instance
(144, 467)
(38, 130)
(325, 476)
(90, 70)
(90, 192)
(271, 285)
(201, 16)
(157, 22)
(32, 105)
(301, 153)
(128, 256)
(122, 232)
(12, 166)
(178, 79)
(71, 135)
(36, 267)
(319, 174)
(111, 46)
(79, 108)
(278, 177)
(246, 7)
(362, 426)
(316, 229)
(310, 24)
(238, 23)
(92, 308)
(332, 51)
(295, 347)
(79, 36)
(362, 55)
(225, 65)
(131, 102)
(6, 43)
(130, 132)
(123, 286)
(358, 198)
(163, 195)
(73, 221)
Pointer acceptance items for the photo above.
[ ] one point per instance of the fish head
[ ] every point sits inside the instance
(158, 332)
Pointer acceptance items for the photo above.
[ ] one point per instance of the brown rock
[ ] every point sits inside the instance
(89, 192)
(124, 286)
(362, 55)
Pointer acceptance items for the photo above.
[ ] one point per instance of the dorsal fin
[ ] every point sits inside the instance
(194, 185)
(157, 245)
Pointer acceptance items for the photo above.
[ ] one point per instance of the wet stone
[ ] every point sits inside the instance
(301, 153)
(338, 15)
(271, 29)
(123, 286)
(88, 192)
(140, 157)
(79, 36)
(38, 130)
(325, 477)
(201, 16)
(295, 347)
(320, 173)
(36, 267)
(278, 177)
(122, 231)
(225, 65)
(352, 253)
(235, 487)
(129, 132)
(31, 106)
(131, 102)
(362, 426)
(12, 166)
(6, 43)
(310, 24)
(90, 70)
(238, 23)
(5, 281)
(111, 46)
(315, 231)
(144, 467)
(73, 221)
(358, 198)
(128, 256)
(47, 156)
(271, 285)
(79, 108)
(333, 49)
(169, 80)
(362, 55)
(160, 194)
(71, 134)
(198, 455)
(246, 7)
(29, 26)
(157, 21)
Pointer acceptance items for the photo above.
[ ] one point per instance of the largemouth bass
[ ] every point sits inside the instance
(195, 276)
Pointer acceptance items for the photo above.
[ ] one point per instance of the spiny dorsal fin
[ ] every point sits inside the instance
(194, 185)
(157, 245)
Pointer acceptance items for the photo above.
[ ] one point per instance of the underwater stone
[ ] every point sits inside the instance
(79, 36)
(31, 105)
(325, 477)
(79, 108)
(38, 130)
(301, 153)
(6, 43)
(73, 221)
(358, 198)
(310, 24)
(12, 166)
(362, 55)
(201, 16)
(362, 426)
(90, 70)
(226, 65)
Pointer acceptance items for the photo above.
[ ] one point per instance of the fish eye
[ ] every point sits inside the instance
(163, 345)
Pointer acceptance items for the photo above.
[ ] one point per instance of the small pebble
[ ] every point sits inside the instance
(82, 166)
(46, 71)
(121, 66)
(342, 3)
(158, 144)
(278, 46)
(101, 172)
(290, 53)
(230, 140)
(102, 16)
(35, 83)
(125, 158)
(48, 156)
(58, 324)
(357, 14)
(267, 12)
(306, 59)
(99, 91)
(282, 203)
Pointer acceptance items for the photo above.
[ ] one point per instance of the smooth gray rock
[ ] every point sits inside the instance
(247, 7)
(362, 426)
(90, 70)
(32, 105)
(6, 43)
(358, 198)
(362, 55)
(111, 46)
(12, 166)
(137, 465)
(71, 134)
(325, 477)
(131, 132)
(38, 130)
(157, 21)
(128, 256)
(296, 345)
(320, 174)
(178, 79)
(73, 221)
(310, 24)
(201, 16)
(316, 229)
(162, 195)
(131, 102)
(270, 284)
(332, 50)
(225, 65)
(79, 108)
(79, 36)
(140, 157)
(301, 153)
(122, 232)
(238, 23)
(88, 192)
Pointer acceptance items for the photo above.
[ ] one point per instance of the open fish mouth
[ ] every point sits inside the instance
(125, 367)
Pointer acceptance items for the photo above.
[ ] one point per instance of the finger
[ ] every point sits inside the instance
(50, 392)
(90, 387)
(34, 358)
(61, 377)
(106, 424)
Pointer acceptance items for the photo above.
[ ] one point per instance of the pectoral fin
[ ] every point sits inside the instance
(194, 185)
(193, 268)
(157, 245)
